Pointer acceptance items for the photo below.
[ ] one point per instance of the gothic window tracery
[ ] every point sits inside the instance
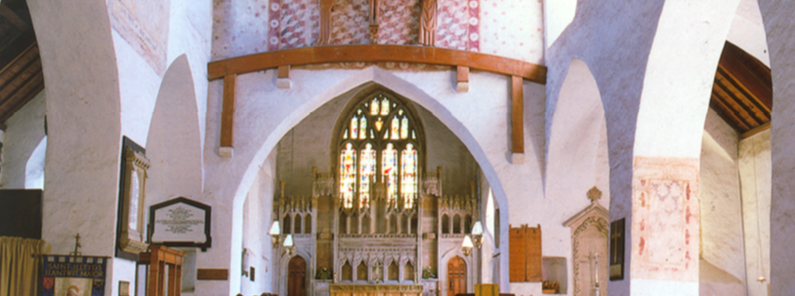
(379, 154)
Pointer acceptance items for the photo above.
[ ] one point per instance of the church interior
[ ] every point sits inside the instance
(397, 147)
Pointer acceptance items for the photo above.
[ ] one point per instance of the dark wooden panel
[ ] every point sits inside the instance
(228, 113)
(376, 53)
(534, 261)
(517, 115)
(518, 254)
(20, 213)
(212, 274)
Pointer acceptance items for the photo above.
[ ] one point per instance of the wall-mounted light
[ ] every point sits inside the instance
(477, 234)
(467, 246)
(275, 232)
(288, 244)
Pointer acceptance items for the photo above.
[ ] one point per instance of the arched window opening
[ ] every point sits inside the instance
(408, 272)
(347, 272)
(343, 223)
(393, 223)
(361, 272)
(468, 224)
(308, 224)
(445, 224)
(366, 224)
(287, 225)
(297, 224)
(379, 146)
(404, 224)
(393, 271)
(457, 224)
(354, 224)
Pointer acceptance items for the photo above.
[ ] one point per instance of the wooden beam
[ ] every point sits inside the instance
(228, 113)
(376, 53)
(517, 115)
(283, 77)
(755, 131)
(462, 79)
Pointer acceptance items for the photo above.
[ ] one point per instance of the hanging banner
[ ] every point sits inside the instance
(73, 276)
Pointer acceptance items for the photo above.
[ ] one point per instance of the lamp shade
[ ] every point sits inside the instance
(275, 229)
(288, 241)
(477, 229)
(467, 242)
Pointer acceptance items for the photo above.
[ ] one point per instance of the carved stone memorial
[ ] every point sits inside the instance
(589, 236)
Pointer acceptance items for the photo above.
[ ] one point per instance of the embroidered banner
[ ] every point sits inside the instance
(70, 276)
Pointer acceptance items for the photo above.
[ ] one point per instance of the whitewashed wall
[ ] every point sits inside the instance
(257, 219)
(24, 133)
(756, 177)
(722, 264)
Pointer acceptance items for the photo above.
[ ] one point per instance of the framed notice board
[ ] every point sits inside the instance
(525, 254)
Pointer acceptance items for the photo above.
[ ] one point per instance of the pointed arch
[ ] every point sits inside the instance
(578, 157)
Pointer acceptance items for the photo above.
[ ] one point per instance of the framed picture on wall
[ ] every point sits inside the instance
(131, 220)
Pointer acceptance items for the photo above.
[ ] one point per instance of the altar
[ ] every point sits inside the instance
(375, 290)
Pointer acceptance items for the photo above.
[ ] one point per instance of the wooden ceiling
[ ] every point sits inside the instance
(743, 91)
(21, 77)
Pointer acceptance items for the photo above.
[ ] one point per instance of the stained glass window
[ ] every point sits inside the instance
(363, 128)
(354, 127)
(384, 107)
(409, 176)
(389, 168)
(366, 174)
(404, 128)
(395, 128)
(374, 107)
(376, 148)
(347, 175)
(378, 124)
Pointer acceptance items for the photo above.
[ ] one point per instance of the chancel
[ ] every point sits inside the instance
(385, 147)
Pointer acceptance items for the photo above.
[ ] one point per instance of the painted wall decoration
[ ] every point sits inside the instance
(144, 27)
(665, 215)
(73, 276)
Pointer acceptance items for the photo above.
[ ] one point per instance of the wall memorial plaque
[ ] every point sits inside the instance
(180, 222)
(130, 222)
(617, 250)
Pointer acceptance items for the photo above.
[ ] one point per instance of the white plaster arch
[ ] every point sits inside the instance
(34, 169)
(679, 76)
(578, 139)
(83, 114)
(748, 31)
(174, 141)
(300, 110)
(780, 31)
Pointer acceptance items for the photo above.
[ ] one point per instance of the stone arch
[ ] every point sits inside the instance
(679, 75)
(83, 114)
(298, 111)
(577, 157)
(778, 24)
(174, 140)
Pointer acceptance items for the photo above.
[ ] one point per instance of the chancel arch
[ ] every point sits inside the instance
(376, 199)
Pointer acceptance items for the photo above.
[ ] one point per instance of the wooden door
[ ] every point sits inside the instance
(456, 276)
(296, 277)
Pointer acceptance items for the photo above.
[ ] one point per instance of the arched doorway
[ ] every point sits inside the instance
(296, 277)
(456, 276)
